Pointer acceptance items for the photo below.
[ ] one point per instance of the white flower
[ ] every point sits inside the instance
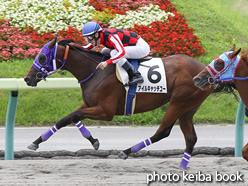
(47, 15)
(54, 15)
(145, 16)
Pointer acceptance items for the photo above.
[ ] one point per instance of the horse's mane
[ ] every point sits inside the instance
(245, 55)
(227, 88)
(65, 42)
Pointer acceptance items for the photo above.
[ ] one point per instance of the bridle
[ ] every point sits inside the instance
(227, 73)
(49, 67)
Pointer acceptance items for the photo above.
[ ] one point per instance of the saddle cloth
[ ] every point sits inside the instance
(154, 81)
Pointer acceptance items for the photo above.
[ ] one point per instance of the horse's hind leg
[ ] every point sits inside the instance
(156, 137)
(62, 123)
(187, 127)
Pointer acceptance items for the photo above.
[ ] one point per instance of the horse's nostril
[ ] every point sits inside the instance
(26, 79)
(196, 79)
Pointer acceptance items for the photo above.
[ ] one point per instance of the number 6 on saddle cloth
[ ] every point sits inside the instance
(153, 73)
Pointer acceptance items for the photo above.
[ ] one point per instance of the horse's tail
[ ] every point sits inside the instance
(227, 88)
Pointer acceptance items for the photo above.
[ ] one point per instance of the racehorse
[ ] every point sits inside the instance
(104, 96)
(227, 67)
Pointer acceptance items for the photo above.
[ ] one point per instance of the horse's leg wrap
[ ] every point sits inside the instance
(83, 130)
(141, 145)
(49, 133)
(135, 148)
(42, 138)
(185, 160)
(87, 135)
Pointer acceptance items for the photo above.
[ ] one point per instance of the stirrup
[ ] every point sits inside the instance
(133, 83)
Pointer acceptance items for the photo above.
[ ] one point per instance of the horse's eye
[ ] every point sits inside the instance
(219, 65)
(42, 59)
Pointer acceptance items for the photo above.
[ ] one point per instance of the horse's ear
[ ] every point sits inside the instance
(53, 42)
(233, 48)
(235, 53)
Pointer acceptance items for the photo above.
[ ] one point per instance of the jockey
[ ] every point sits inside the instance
(119, 45)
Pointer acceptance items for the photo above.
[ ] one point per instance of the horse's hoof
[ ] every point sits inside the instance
(122, 155)
(33, 146)
(96, 144)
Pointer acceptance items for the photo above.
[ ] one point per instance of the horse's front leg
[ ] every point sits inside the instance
(94, 113)
(62, 123)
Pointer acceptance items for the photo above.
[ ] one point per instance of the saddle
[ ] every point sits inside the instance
(148, 58)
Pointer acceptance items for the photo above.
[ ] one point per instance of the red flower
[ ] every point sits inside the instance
(165, 38)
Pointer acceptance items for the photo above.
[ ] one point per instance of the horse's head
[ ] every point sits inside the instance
(44, 64)
(222, 68)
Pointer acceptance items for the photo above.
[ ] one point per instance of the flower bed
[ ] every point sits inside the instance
(30, 25)
(15, 43)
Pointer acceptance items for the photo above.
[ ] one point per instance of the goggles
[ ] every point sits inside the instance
(89, 38)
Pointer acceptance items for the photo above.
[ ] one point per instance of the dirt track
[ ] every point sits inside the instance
(114, 172)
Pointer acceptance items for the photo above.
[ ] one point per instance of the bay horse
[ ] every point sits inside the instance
(104, 96)
(227, 67)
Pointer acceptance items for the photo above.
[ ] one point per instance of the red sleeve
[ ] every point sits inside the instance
(88, 47)
(117, 44)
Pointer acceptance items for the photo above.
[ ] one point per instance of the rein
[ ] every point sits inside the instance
(75, 48)
(90, 74)
(238, 78)
(71, 44)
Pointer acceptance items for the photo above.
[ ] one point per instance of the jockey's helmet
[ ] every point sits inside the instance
(91, 28)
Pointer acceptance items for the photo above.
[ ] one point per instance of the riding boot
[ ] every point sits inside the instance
(134, 75)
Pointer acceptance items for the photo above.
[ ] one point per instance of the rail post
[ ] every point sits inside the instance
(14, 85)
(10, 124)
(239, 131)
